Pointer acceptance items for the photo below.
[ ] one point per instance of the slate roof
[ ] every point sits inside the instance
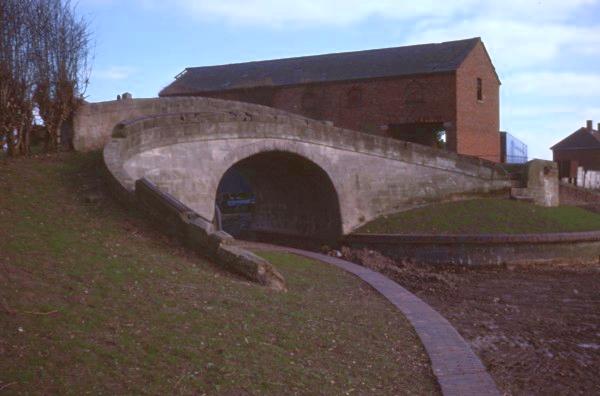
(580, 139)
(387, 62)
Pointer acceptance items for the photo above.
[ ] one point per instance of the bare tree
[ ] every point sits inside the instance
(61, 64)
(44, 52)
(16, 74)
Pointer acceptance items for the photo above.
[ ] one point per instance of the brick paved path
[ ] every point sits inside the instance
(458, 370)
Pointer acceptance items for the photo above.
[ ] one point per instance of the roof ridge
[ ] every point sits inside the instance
(583, 130)
(332, 54)
(444, 57)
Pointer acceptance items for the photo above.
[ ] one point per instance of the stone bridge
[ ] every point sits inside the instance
(310, 178)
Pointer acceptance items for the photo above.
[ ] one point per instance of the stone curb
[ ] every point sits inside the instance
(483, 250)
(457, 369)
(584, 236)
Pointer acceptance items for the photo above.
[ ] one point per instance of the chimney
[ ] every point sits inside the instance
(589, 125)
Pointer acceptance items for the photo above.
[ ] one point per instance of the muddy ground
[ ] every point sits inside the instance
(536, 328)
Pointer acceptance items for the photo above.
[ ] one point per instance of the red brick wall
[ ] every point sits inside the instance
(367, 105)
(478, 122)
(589, 159)
(573, 195)
(363, 105)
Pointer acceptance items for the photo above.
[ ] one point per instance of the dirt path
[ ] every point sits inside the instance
(537, 329)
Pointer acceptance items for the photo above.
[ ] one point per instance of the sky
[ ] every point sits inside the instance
(546, 52)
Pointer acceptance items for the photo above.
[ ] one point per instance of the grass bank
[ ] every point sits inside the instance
(93, 300)
(485, 216)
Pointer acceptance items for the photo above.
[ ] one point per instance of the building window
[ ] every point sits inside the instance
(479, 89)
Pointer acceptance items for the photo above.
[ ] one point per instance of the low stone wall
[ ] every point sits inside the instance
(582, 197)
(573, 195)
(481, 250)
(198, 233)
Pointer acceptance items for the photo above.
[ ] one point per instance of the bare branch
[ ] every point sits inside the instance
(44, 53)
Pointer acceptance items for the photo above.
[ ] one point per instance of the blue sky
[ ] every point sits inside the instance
(547, 52)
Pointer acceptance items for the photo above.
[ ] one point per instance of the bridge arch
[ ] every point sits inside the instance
(294, 196)
(186, 154)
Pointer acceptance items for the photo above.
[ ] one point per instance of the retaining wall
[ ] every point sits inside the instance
(573, 195)
(198, 233)
(582, 197)
(481, 250)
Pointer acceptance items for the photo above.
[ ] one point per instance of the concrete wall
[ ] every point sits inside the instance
(186, 155)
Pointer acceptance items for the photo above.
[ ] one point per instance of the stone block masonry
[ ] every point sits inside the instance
(199, 234)
(94, 122)
(539, 179)
(363, 176)
(310, 178)
(483, 250)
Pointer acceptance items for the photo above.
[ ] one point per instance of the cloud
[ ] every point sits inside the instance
(516, 44)
(114, 73)
(554, 84)
(534, 111)
(518, 33)
(277, 13)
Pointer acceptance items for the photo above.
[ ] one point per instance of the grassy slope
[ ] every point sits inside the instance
(93, 300)
(479, 216)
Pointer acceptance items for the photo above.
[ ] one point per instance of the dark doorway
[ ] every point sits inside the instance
(282, 196)
(432, 134)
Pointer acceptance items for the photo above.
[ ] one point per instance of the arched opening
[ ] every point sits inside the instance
(279, 196)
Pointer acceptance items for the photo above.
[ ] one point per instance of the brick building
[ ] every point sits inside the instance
(581, 148)
(416, 93)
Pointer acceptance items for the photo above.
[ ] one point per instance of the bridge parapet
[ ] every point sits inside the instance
(186, 153)
(94, 122)
(148, 132)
